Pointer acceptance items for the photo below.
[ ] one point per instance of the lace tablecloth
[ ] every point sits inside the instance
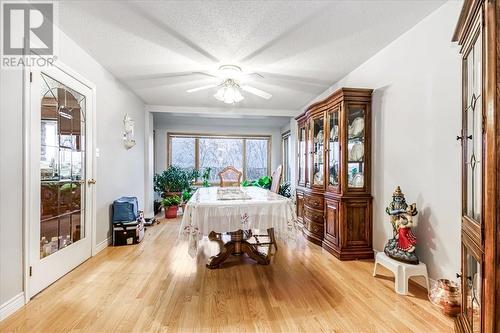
(260, 209)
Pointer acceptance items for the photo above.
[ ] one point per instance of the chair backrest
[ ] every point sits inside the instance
(230, 176)
(275, 185)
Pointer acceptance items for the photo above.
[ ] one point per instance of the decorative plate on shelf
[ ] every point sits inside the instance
(357, 152)
(358, 180)
(357, 126)
(319, 137)
(318, 178)
(334, 134)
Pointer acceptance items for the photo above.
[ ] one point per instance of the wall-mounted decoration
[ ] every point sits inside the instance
(128, 132)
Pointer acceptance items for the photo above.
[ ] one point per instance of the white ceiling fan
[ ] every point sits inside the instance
(229, 84)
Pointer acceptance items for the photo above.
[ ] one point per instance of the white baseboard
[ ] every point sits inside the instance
(102, 245)
(11, 306)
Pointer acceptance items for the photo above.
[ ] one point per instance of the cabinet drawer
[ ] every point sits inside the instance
(314, 215)
(313, 201)
(315, 228)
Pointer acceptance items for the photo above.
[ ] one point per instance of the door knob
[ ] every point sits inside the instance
(91, 181)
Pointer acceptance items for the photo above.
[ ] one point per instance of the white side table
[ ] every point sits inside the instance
(402, 272)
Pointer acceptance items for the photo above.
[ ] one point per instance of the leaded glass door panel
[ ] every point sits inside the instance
(472, 139)
(60, 169)
(333, 150)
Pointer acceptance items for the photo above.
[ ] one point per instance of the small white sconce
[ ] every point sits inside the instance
(128, 132)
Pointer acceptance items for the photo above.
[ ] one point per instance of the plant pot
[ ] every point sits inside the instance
(171, 194)
(171, 212)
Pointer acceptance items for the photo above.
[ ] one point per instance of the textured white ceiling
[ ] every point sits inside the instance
(300, 47)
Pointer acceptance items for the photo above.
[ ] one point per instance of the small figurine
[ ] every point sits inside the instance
(402, 245)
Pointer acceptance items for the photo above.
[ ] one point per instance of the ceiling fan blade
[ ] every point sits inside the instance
(166, 76)
(257, 92)
(208, 86)
(250, 76)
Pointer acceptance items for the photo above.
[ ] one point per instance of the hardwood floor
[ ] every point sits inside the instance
(156, 287)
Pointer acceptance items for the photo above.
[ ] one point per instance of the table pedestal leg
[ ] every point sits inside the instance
(236, 246)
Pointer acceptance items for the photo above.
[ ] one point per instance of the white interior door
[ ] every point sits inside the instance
(60, 176)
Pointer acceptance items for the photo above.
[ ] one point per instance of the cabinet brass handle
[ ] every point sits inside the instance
(91, 181)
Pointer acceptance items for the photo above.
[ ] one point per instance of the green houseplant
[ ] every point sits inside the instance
(174, 180)
(264, 182)
(285, 190)
(206, 176)
(171, 205)
(185, 196)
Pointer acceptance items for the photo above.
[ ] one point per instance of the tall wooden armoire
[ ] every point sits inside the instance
(478, 35)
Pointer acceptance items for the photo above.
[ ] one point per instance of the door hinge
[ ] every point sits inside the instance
(31, 270)
(31, 76)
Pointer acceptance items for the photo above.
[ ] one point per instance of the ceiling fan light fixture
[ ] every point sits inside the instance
(229, 93)
(229, 85)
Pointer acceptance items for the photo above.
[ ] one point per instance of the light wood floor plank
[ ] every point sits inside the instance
(156, 287)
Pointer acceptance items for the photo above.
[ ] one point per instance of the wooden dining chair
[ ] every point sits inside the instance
(230, 176)
(275, 185)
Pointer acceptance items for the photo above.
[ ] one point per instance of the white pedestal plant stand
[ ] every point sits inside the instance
(402, 272)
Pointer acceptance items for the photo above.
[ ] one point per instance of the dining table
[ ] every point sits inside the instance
(242, 220)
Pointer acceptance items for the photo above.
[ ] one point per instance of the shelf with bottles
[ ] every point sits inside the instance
(56, 243)
(58, 233)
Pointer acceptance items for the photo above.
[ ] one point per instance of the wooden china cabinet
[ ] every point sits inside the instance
(334, 202)
(478, 34)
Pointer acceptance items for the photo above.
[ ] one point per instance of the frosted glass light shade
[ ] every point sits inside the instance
(229, 94)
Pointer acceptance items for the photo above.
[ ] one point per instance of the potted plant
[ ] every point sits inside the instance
(206, 176)
(171, 204)
(186, 195)
(174, 180)
(285, 190)
(264, 182)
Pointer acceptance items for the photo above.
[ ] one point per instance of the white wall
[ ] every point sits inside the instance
(164, 123)
(11, 198)
(416, 117)
(119, 171)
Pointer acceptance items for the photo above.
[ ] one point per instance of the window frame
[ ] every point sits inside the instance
(198, 136)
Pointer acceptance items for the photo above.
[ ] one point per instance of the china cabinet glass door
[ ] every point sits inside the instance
(472, 179)
(473, 134)
(471, 297)
(317, 151)
(309, 152)
(302, 155)
(334, 150)
(356, 146)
